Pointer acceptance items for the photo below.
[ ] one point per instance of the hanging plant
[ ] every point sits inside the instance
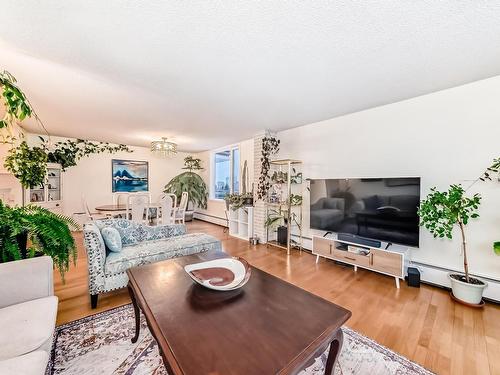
(27, 164)
(17, 106)
(67, 153)
(270, 146)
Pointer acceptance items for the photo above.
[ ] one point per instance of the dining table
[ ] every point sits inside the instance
(117, 210)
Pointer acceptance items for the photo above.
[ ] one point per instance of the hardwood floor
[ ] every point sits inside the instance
(422, 324)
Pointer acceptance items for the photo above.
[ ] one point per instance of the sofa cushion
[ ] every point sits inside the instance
(27, 326)
(34, 363)
(154, 251)
(133, 233)
(112, 239)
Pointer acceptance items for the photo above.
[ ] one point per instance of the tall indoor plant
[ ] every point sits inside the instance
(440, 212)
(31, 230)
(190, 182)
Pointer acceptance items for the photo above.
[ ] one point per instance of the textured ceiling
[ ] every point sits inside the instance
(209, 73)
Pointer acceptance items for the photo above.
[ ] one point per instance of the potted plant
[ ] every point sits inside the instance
(279, 219)
(439, 213)
(31, 230)
(190, 182)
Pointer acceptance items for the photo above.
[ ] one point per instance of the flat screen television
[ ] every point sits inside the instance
(383, 209)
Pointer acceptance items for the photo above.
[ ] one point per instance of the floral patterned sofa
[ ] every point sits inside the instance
(142, 244)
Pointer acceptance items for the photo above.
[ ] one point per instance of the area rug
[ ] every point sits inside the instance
(100, 344)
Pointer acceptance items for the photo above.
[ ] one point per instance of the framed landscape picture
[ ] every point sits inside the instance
(129, 175)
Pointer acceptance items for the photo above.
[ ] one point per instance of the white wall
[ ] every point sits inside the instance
(215, 207)
(446, 137)
(92, 176)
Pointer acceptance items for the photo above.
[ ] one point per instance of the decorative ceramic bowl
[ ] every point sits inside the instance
(220, 274)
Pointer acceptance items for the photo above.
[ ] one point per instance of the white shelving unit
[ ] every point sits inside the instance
(290, 212)
(241, 222)
(48, 194)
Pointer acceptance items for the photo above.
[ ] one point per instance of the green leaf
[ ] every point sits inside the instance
(496, 247)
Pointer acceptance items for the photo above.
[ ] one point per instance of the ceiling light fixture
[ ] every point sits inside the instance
(164, 148)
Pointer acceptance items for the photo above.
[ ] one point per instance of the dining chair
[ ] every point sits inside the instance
(167, 208)
(138, 207)
(180, 213)
(121, 199)
(92, 215)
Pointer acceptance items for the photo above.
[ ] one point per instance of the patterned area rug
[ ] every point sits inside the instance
(100, 344)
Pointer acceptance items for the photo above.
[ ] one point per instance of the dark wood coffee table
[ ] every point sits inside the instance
(267, 327)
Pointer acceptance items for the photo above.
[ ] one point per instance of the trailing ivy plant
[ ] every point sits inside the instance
(67, 153)
(46, 233)
(441, 211)
(27, 164)
(270, 146)
(189, 182)
(17, 106)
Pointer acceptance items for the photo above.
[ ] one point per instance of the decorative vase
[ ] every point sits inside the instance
(467, 292)
(188, 216)
(282, 235)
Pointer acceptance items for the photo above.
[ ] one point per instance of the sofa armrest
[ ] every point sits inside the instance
(26, 280)
(96, 257)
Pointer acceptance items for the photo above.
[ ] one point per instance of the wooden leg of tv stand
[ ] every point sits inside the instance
(317, 259)
(397, 282)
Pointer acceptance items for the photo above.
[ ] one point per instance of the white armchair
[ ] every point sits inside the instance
(28, 310)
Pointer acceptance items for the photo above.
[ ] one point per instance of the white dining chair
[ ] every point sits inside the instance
(138, 208)
(166, 209)
(180, 212)
(92, 215)
(121, 199)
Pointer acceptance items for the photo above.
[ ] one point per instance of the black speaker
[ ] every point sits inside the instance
(282, 235)
(359, 240)
(413, 277)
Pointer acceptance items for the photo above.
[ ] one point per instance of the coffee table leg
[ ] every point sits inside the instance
(137, 315)
(335, 348)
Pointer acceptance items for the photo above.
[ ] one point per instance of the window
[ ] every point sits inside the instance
(226, 173)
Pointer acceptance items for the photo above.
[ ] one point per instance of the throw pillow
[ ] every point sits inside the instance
(112, 239)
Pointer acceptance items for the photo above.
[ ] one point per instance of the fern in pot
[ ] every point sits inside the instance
(440, 212)
(30, 231)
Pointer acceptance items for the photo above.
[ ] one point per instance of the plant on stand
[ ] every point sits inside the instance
(189, 182)
(439, 213)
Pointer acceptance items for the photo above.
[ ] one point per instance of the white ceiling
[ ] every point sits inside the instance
(210, 73)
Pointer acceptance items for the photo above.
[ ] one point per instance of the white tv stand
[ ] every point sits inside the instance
(387, 262)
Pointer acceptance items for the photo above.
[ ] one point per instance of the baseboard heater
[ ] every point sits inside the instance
(211, 218)
(438, 276)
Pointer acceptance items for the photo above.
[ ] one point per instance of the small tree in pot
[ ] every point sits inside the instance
(440, 212)
(190, 182)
